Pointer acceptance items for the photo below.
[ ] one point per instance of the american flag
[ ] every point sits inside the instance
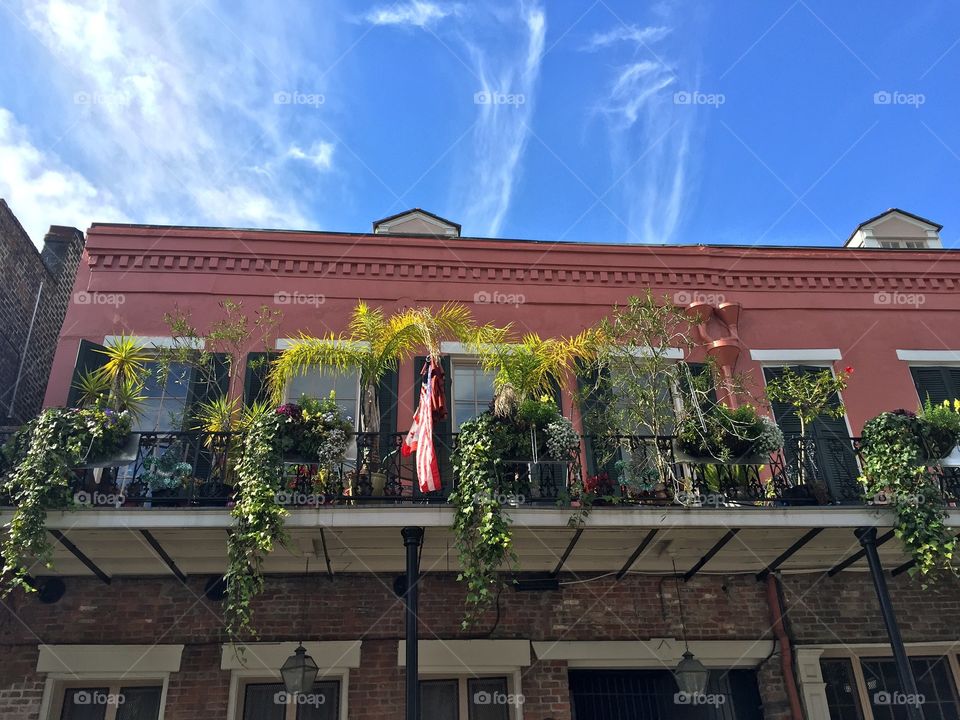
(420, 437)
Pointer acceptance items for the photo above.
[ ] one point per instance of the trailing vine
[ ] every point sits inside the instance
(896, 470)
(259, 520)
(486, 448)
(40, 458)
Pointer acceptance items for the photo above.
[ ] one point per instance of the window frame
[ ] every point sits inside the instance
(463, 360)
(58, 684)
(512, 676)
(287, 397)
(823, 364)
(240, 679)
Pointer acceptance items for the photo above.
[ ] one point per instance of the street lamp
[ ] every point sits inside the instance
(691, 675)
(299, 672)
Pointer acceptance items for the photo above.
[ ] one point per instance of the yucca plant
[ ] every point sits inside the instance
(374, 344)
(125, 366)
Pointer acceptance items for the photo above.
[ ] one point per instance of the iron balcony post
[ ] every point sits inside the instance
(412, 540)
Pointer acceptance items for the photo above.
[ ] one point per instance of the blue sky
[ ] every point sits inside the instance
(771, 122)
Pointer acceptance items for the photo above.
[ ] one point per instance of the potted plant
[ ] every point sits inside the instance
(939, 430)
(164, 476)
(727, 436)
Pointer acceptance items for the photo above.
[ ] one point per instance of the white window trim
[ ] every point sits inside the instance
(813, 688)
(458, 348)
(285, 343)
(467, 659)
(261, 662)
(792, 356)
(931, 357)
(655, 653)
(159, 341)
(108, 664)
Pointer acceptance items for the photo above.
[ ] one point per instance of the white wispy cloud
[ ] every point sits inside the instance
(42, 190)
(173, 106)
(651, 136)
(418, 13)
(628, 33)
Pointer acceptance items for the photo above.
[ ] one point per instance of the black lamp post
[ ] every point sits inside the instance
(299, 672)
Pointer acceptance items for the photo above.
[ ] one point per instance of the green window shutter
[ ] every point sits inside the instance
(936, 382)
(209, 383)
(387, 395)
(255, 385)
(786, 418)
(600, 456)
(89, 357)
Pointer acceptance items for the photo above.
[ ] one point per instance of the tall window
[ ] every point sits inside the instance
(472, 392)
(106, 701)
(165, 405)
(270, 701)
(318, 384)
(483, 698)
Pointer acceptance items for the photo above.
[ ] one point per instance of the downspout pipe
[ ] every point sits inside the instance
(786, 649)
(23, 355)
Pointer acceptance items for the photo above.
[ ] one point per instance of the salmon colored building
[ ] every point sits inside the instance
(773, 594)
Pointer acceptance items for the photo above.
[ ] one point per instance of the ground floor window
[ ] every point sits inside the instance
(473, 698)
(270, 701)
(653, 695)
(108, 701)
(869, 689)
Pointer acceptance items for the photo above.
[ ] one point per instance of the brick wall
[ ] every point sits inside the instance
(149, 610)
(23, 269)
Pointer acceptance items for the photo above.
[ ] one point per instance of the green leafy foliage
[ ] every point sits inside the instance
(896, 467)
(39, 459)
(729, 434)
(810, 394)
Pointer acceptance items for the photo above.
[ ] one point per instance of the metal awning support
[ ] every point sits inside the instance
(326, 554)
(868, 539)
(412, 541)
(710, 553)
(566, 553)
(158, 548)
(788, 553)
(79, 555)
(859, 555)
(634, 556)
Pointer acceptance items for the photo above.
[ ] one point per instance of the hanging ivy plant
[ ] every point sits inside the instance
(313, 429)
(896, 468)
(486, 445)
(39, 461)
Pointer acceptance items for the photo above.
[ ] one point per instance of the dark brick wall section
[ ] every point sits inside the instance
(23, 269)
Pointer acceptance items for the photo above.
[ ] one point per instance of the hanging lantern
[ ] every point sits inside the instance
(691, 675)
(299, 672)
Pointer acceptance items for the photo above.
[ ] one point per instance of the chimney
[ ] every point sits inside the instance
(57, 244)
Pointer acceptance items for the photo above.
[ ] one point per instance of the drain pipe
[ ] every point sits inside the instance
(26, 349)
(786, 650)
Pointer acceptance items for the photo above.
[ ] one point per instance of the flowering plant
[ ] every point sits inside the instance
(562, 439)
(314, 429)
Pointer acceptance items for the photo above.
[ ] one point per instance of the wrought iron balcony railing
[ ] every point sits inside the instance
(198, 469)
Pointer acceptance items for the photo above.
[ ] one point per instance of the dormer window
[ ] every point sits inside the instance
(416, 222)
(896, 230)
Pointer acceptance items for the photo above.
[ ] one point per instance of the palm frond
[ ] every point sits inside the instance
(94, 387)
(306, 353)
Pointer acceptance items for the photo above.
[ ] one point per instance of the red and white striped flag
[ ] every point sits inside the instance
(420, 437)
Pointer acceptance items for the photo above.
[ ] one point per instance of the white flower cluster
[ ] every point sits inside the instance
(562, 439)
(331, 451)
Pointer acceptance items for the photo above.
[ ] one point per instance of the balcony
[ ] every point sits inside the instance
(184, 469)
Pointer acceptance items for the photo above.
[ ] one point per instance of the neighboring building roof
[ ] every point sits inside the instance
(421, 220)
(891, 211)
